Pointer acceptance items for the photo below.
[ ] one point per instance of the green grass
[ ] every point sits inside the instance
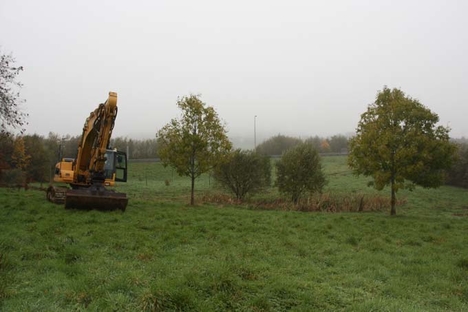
(163, 255)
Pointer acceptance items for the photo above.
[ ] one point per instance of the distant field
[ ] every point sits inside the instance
(163, 255)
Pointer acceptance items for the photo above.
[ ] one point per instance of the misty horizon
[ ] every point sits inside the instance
(303, 68)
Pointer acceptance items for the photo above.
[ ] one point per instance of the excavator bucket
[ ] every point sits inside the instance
(98, 198)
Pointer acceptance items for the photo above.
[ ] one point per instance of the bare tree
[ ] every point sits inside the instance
(11, 117)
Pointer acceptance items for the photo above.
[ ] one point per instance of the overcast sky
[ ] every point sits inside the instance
(304, 68)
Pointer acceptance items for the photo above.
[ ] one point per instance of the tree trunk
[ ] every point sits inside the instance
(361, 204)
(192, 197)
(192, 176)
(393, 201)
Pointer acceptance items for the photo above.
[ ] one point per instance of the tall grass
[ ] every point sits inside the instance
(163, 255)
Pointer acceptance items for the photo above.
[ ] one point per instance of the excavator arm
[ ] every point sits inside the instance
(97, 131)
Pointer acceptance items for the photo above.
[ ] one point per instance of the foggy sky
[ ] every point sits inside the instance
(304, 68)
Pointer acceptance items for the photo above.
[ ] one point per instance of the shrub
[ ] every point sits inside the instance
(299, 171)
(458, 174)
(246, 172)
(14, 178)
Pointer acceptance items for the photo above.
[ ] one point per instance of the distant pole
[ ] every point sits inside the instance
(255, 133)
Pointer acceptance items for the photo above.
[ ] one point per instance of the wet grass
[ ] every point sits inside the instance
(163, 255)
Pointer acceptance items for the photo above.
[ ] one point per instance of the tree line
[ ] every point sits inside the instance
(26, 158)
(36, 155)
(278, 144)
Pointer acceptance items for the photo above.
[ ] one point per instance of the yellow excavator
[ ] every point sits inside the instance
(96, 166)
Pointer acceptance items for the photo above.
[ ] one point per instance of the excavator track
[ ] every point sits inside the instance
(56, 194)
(95, 197)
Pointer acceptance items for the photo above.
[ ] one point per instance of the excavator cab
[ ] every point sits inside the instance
(115, 167)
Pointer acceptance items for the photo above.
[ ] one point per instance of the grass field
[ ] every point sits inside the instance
(163, 255)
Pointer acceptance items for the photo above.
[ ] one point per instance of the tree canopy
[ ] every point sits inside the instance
(194, 143)
(398, 143)
(11, 117)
